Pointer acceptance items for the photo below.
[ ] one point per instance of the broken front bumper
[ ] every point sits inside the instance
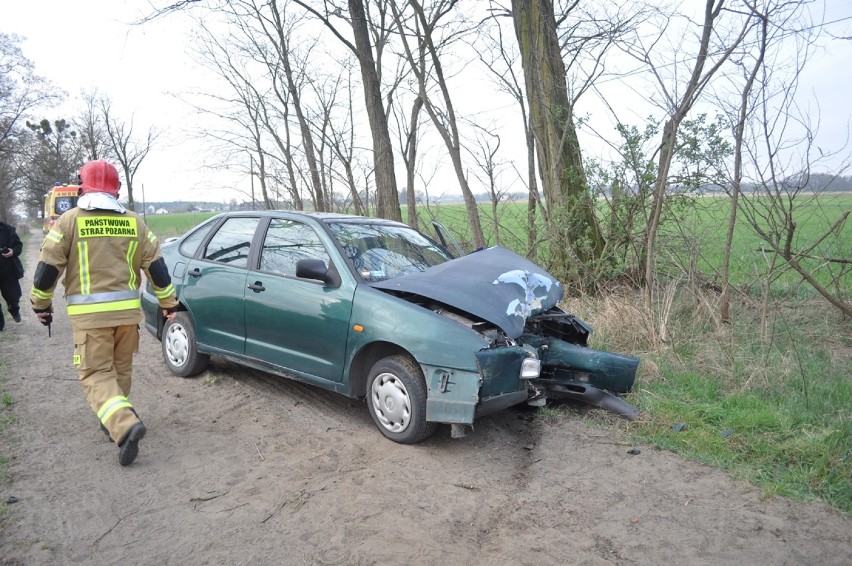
(570, 371)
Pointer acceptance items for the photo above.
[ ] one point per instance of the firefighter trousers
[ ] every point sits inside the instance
(103, 358)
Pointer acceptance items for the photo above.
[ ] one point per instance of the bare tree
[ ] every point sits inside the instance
(387, 205)
(677, 100)
(443, 117)
(130, 151)
(285, 145)
(489, 169)
(342, 142)
(246, 140)
(265, 79)
(273, 24)
(409, 139)
(262, 38)
(93, 134)
(775, 149)
(750, 73)
(21, 91)
(408, 135)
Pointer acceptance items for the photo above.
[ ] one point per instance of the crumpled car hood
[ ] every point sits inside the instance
(493, 284)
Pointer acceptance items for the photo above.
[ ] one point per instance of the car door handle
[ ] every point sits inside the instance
(257, 287)
(195, 272)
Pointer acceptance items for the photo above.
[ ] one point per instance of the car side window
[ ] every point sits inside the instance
(287, 242)
(190, 244)
(232, 242)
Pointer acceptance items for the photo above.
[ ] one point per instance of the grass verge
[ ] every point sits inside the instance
(7, 416)
(7, 421)
(774, 410)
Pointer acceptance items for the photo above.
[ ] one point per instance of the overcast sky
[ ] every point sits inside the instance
(83, 44)
(87, 44)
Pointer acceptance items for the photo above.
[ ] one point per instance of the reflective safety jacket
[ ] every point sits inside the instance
(101, 253)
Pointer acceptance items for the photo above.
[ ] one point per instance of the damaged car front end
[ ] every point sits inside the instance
(535, 351)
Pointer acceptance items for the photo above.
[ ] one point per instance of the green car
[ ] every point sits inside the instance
(375, 310)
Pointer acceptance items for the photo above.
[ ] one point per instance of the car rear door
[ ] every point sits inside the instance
(294, 323)
(215, 285)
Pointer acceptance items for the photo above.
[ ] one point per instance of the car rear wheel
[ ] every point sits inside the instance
(396, 397)
(180, 350)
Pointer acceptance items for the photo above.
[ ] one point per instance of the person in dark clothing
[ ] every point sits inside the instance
(11, 270)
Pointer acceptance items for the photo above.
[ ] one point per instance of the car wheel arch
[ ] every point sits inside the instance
(180, 347)
(161, 320)
(364, 361)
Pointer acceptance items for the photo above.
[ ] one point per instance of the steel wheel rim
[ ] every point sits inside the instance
(177, 345)
(391, 402)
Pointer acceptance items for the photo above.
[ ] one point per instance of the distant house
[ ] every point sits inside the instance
(161, 211)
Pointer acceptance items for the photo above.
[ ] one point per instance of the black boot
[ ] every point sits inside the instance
(129, 446)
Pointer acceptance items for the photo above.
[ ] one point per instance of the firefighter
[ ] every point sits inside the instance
(101, 248)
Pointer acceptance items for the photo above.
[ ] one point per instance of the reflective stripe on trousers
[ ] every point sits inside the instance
(111, 406)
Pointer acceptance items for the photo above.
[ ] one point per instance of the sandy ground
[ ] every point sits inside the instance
(240, 467)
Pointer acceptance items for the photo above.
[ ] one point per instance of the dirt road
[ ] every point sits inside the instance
(241, 467)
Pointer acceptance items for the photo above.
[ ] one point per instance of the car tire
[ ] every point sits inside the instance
(396, 398)
(180, 350)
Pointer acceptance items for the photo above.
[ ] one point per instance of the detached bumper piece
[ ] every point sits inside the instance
(578, 372)
(588, 393)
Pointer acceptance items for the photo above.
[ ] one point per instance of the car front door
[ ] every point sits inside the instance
(215, 286)
(295, 323)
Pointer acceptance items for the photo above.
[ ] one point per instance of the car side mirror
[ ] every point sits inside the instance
(316, 269)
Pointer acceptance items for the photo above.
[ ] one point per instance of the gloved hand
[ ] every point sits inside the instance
(45, 316)
(170, 312)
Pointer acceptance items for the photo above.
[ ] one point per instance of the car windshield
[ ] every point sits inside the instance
(381, 252)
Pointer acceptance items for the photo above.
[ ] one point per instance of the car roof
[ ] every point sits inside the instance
(325, 217)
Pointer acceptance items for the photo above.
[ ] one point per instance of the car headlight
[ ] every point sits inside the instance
(530, 368)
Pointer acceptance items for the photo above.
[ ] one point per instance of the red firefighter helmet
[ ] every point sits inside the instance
(99, 177)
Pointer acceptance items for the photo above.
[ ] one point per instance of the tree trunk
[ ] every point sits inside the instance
(739, 132)
(411, 162)
(532, 233)
(387, 205)
(560, 160)
(353, 189)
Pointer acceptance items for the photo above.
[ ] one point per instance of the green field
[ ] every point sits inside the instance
(698, 238)
(750, 254)
(171, 225)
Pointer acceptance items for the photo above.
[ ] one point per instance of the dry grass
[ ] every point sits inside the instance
(618, 320)
(697, 340)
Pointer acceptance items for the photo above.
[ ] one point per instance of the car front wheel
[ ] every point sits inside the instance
(180, 350)
(396, 397)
